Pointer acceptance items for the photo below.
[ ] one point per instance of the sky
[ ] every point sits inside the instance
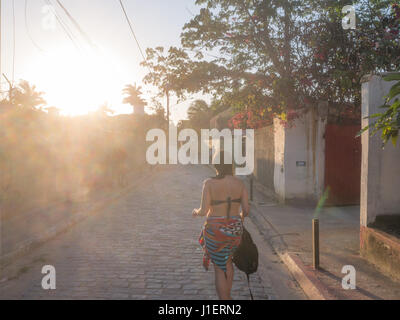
(80, 80)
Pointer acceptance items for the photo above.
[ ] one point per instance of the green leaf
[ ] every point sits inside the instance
(359, 134)
(394, 139)
(392, 77)
(394, 91)
(375, 115)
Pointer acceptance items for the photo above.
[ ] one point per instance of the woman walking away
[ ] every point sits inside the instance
(221, 235)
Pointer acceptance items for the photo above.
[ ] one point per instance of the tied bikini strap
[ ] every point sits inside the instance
(228, 201)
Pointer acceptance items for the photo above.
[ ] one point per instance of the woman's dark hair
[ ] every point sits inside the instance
(223, 168)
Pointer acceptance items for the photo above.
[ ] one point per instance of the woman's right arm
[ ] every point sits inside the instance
(205, 201)
(245, 202)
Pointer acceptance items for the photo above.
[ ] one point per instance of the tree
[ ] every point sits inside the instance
(340, 58)
(258, 54)
(388, 122)
(133, 96)
(166, 72)
(272, 62)
(199, 114)
(26, 96)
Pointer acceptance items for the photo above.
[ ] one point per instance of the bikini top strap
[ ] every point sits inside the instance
(218, 202)
(228, 211)
(228, 201)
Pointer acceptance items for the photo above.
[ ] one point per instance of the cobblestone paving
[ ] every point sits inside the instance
(145, 246)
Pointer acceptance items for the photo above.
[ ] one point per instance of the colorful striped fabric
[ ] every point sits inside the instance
(219, 238)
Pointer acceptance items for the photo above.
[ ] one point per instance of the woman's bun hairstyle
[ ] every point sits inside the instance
(223, 167)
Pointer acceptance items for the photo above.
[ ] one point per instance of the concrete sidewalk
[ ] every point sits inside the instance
(289, 231)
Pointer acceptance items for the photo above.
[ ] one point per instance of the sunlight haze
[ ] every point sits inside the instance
(79, 80)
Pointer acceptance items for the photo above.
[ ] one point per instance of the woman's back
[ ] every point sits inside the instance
(221, 200)
(224, 193)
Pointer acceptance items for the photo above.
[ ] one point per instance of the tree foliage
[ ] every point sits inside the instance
(256, 60)
(166, 69)
(133, 96)
(340, 58)
(26, 96)
(388, 121)
(266, 58)
(275, 58)
(200, 113)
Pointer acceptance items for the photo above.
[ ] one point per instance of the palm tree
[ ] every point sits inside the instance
(26, 96)
(199, 114)
(104, 110)
(133, 97)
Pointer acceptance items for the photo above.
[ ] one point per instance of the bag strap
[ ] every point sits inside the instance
(248, 282)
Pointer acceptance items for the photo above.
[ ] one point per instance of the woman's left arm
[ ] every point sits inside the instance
(205, 201)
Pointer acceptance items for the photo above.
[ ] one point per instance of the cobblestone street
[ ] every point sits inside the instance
(143, 246)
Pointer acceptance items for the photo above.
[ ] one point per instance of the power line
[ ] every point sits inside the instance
(190, 12)
(63, 25)
(27, 28)
(76, 24)
(130, 26)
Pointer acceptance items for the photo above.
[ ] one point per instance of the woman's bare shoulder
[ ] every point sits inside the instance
(239, 183)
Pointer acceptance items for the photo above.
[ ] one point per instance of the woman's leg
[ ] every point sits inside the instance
(221, 284)
(229, 274)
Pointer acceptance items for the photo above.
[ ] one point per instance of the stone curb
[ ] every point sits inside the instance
(304, 275)
(306, 278)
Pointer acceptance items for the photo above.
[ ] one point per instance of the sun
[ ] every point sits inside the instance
(78, 83)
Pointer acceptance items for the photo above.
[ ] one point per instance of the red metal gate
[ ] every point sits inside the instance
(343, 164)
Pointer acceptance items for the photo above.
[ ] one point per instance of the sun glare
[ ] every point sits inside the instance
(79, 83)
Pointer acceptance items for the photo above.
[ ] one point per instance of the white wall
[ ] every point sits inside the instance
(303, 142)
(380, 168)
(279, 172)
(298, 182)
(390, 180)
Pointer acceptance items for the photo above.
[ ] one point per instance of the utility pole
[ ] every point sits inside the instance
(10, 88)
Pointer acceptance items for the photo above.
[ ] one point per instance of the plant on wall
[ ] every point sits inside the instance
(388, 121)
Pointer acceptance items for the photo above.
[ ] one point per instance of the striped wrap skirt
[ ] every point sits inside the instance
(219, 238)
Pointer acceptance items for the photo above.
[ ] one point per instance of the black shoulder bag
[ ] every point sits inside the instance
(245, 257)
